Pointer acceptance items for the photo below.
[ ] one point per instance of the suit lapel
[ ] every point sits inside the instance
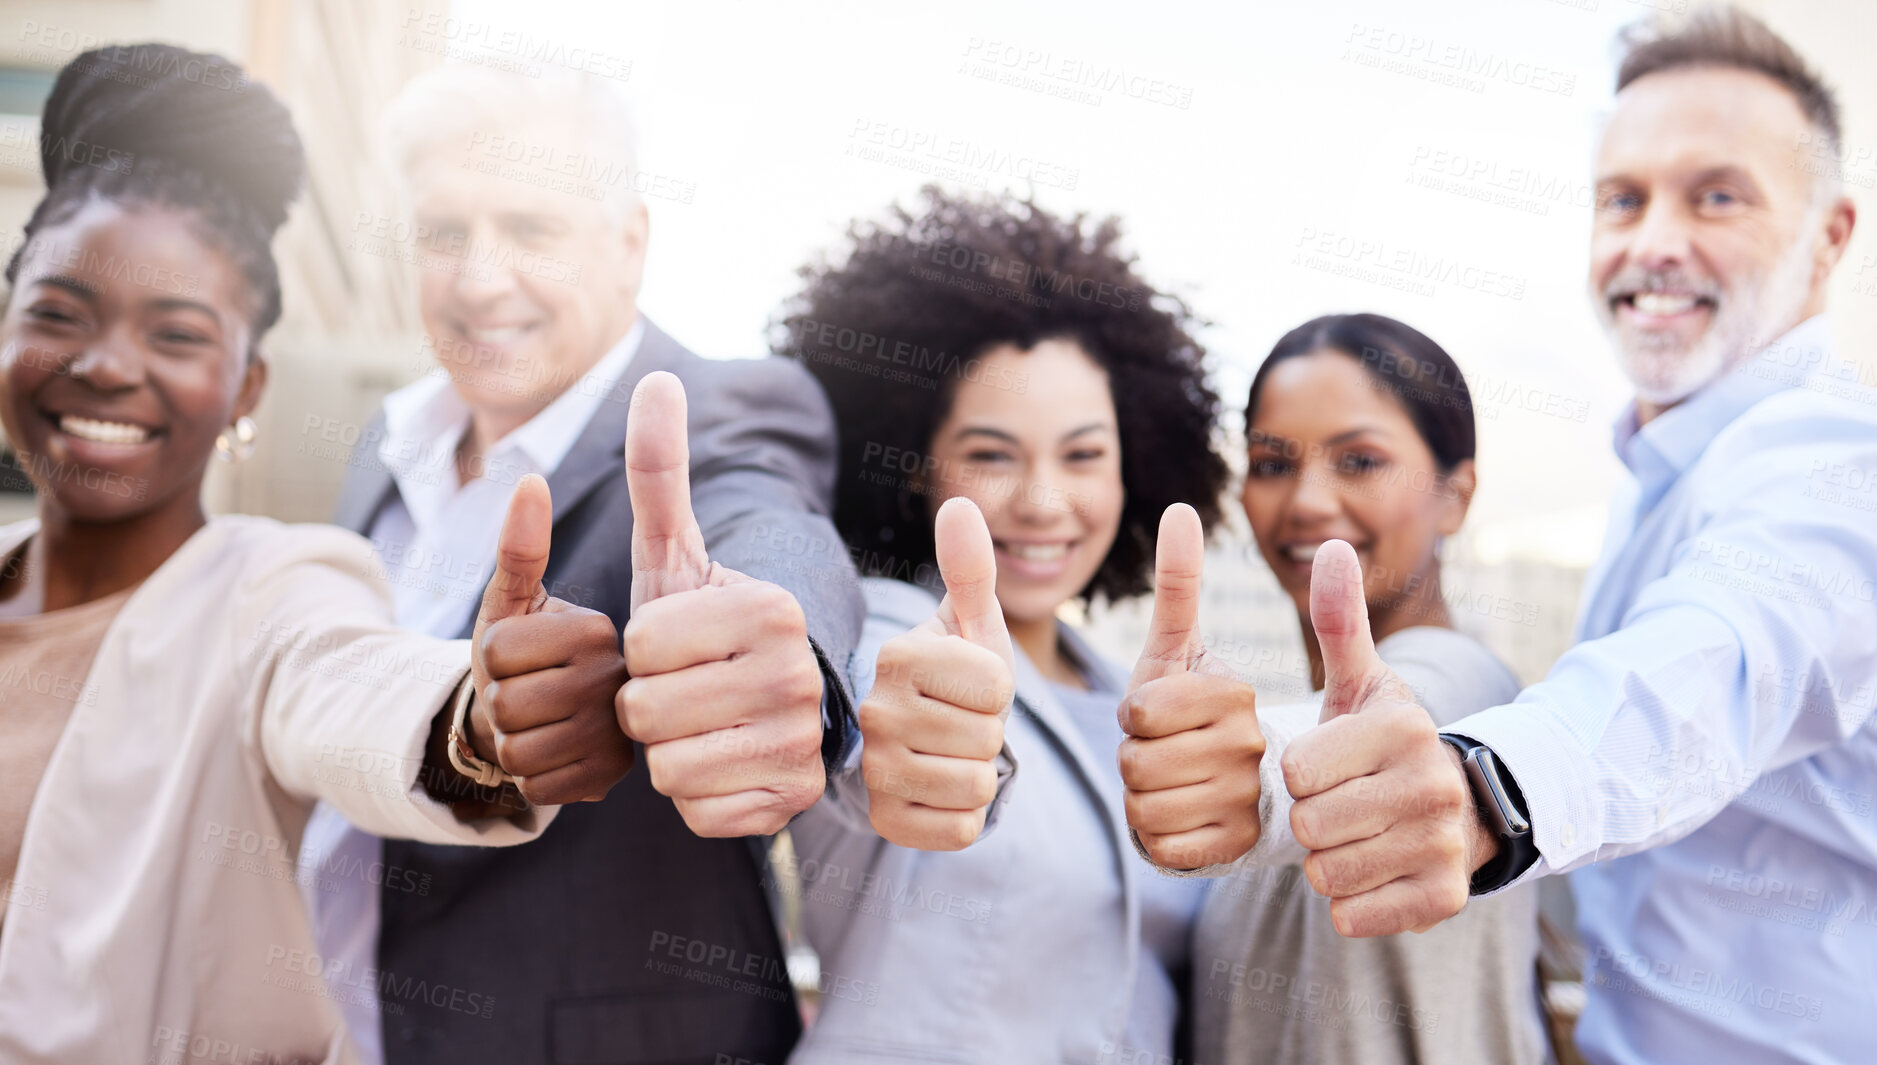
(365, 491)
(599, 453)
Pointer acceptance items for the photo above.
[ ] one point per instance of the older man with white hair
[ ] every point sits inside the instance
(1711, 730)
(640, 929)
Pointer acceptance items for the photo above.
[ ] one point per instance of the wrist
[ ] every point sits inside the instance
(481, 734)
(1482, 844)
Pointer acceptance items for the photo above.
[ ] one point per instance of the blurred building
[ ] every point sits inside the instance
(349, 332)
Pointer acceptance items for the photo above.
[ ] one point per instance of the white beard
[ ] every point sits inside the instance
(1665, 372)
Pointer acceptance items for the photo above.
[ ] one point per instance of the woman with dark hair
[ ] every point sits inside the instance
(180, 689)
(987, 349)
(1361, 429)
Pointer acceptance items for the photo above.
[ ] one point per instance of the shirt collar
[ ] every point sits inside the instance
(1659, 452)
(548, 436)
(425, 420)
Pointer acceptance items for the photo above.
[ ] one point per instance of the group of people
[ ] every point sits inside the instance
(489, 771)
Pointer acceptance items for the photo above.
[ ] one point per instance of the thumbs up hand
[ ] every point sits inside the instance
(1382, 803)
(724, 689)
(934, 722)
(545, 671)
(1190, 762)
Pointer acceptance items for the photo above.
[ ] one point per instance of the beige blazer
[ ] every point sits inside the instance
(155, 916)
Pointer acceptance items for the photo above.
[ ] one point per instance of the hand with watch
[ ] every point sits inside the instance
(1402, 823)
(534, 718)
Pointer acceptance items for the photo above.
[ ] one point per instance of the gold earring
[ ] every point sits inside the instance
(241, 447)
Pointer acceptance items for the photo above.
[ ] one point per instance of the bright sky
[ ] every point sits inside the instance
(1273, 162)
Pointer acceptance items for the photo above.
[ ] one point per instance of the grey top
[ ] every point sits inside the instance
(1168, 905)
(1027, 946)
(1273, 983)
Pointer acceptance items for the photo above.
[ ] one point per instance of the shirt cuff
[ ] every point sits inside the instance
(1557, 779)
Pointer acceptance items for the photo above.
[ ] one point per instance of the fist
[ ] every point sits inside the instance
(724, 689)
(1382, 804)
(545, 671)
(933, 724)
(1189, 764)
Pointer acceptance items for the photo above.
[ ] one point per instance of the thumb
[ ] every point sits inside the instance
(1173, 641)
(667, 547)
(520, 554)
(968, 565)
(1339, 611)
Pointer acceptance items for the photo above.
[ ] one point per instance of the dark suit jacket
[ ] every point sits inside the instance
(619, 936)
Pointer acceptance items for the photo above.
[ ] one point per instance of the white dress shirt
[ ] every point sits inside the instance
(1711, 724)
(436, 539)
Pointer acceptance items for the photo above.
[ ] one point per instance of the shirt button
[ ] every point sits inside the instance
(1568, 835)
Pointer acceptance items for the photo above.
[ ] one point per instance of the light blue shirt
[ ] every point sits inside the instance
(1710, 726)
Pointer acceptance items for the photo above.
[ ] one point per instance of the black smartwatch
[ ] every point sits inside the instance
(1502, 809)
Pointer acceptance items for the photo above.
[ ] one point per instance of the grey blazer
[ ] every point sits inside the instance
(1018, 948)
(568, 943)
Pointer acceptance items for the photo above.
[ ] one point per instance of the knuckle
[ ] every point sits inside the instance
(982, 788)
(962, 831)
(496, 704)
(803, 686)
(897, 655)
(658, 772)
(629, 707)
(986, 736)
(636, 643)
(1306, 823)
(1297, 772)
(1131, 760)
(1138, 809)
(776, 610)
(1343, 918)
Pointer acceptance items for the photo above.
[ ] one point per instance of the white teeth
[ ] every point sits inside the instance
(494, 335)
(1302, 552)
(1662, 303)
(1037, 552)
(102, 432)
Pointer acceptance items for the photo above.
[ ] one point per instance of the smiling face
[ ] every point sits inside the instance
(528, 286)
(1709, 240)
(1043, 464)
(1334, 456)
(123, 354)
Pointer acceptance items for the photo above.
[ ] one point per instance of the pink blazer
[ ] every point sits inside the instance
(155, 917)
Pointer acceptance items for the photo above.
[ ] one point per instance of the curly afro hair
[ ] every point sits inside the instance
(891, 331)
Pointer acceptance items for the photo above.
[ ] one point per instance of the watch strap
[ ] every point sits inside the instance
(462, 752)
(1502, 808)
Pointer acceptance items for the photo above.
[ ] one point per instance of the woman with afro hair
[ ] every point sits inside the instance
(986, 348)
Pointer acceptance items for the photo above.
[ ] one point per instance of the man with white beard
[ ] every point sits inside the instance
(1709, 729)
